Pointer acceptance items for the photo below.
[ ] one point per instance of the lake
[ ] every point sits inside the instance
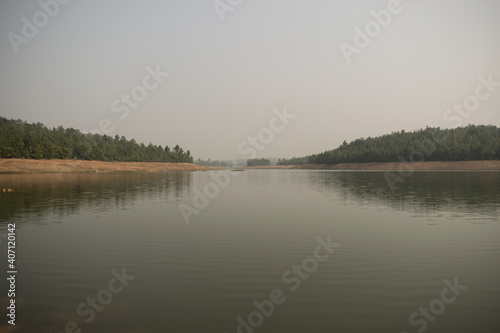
(254, 251)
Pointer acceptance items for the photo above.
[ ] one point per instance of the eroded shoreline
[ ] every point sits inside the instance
(376, 166)
(28, 166)
(20, 166)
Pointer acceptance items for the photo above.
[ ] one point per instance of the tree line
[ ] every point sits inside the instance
(258, 161)
(19, 139)
(430, 144)
(216, 163)
(293, 161)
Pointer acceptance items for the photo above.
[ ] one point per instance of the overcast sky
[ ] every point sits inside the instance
(229, 67)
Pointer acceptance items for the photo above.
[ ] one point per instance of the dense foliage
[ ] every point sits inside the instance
(19, 139)
(430, 144)
(225, 164)
(258, 161)
(293, 161)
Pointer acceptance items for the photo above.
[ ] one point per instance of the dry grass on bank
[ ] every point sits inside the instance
(56, 166)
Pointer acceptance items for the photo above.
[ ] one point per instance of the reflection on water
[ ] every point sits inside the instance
(426, 193)
(36, 195)
(201, 277)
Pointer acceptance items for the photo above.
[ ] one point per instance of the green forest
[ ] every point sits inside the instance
(19, 139)
(430, 144)
(293, 161)
(209, 162)
(258, 162)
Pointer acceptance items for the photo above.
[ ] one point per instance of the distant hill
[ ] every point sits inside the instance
(19, 139)
(470, 143)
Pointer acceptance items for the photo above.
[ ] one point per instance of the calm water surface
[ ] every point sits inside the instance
(396, 249)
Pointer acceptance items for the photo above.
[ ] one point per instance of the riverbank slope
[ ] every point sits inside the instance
(433, 165)
(15, 165)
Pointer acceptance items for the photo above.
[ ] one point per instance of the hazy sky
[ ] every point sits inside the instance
(226, 76)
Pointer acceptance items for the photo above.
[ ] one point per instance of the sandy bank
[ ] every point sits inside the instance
(8, 165)
(456, 166)
(54, 166)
